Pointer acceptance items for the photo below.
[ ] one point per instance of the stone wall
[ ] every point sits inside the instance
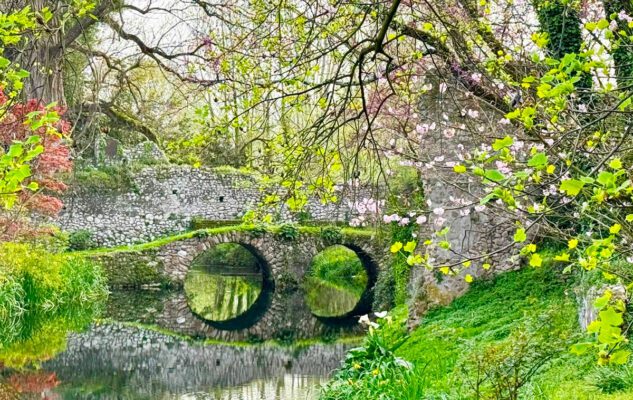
(164, 199)
(484, 234)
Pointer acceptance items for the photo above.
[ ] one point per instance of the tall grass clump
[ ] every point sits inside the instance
(35, 282)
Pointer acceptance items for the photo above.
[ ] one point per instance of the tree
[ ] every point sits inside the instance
(524, 108)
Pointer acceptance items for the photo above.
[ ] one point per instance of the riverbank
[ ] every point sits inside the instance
(510, 336)
(43, 295)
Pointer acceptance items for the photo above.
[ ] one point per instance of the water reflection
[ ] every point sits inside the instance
(220, 297)
(113, 361)
(335, 282)
(224, 282)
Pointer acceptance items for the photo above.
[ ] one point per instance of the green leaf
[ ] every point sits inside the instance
(536, 260)
(620, 357)
(603, 24)
(603, 300)
(611, 317)
(410, 246)
(539, 159)
(15, 150)
(571, 186)
(4, 62)
(580, 348)
(494, 175)
(460, 169)
(520, 236)
(606, 178)
(616, 163)
(502, 143)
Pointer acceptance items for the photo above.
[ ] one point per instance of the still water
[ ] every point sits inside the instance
(114, 361)
(124, 355)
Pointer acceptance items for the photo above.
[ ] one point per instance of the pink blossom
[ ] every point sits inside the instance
(420, 220)
(480, 207)
(404, 221)
(438, 211)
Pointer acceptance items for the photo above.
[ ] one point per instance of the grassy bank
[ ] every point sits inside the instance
(506, 337)
(38, 286)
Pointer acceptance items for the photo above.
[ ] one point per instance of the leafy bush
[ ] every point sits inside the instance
(288, 232)
(258, 231)
(34, 281)
(374, 372)
(332, 235)
(500, 370)
(81, 240)
(303, 217)
(115, 178)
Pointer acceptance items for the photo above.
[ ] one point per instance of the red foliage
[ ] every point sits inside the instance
(34, 382)
(54, 160)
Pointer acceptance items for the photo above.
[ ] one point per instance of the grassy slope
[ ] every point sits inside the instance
(487, 314)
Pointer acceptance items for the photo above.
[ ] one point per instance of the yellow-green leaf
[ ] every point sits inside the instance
(396, 247)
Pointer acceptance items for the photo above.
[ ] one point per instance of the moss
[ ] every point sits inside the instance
(141, 268)
(349, 234)
(115, 178)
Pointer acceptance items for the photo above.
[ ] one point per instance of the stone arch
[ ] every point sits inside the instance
(256, 310)
(365, 253)
(287, 310)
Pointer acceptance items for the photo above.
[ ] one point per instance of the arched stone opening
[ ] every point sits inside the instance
(345, 262)
(229, 285)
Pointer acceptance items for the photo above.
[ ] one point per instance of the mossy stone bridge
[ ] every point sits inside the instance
(278, 312)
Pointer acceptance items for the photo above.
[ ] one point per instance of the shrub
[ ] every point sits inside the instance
(500, 370)
(303, 217)
(288, 232)
(258, 231)
(331, 235)
(81, 240)
(373, 371)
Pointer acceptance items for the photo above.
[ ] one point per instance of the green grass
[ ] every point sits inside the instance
(493, 313)
(35, 282)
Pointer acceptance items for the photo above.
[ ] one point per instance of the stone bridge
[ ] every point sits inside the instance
(279, 312)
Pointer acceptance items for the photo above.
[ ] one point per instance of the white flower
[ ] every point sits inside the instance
(420, 220)
(381, 314)
(442, 87)
(438, 211)
(480, 207)
(364, 320)
(403, 221)
(473, 113)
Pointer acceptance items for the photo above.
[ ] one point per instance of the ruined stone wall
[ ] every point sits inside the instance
(164, 199)
(454, 125)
